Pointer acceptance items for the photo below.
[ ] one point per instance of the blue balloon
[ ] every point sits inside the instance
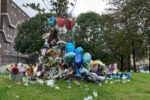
(70, 47)
(78, 50)
(78, 58)
(86, 59)
(51, 21)
(69, 58)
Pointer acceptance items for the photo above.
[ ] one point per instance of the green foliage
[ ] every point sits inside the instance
(130, 17)
(60, 7)
(89, 24)
(91, 35)
(29, 38)
(34, 7)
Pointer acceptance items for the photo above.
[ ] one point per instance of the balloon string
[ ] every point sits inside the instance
(46, 5)
(48, 2)
(73, 8)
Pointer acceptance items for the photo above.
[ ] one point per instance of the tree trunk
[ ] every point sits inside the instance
(128, 62)
(121, 63)
(133, 53)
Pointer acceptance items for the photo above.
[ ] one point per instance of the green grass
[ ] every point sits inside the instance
(137, 89)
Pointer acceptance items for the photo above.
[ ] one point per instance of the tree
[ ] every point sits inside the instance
(29, 38)
(135, 11)
(58, 7)
(126, 13)
(144, 23)
(90, 37)
(35, 7)
(114, 39)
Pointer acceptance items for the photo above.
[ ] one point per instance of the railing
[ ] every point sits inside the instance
(8, 59)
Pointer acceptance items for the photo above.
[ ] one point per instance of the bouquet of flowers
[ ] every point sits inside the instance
(15, 70)
(14, 73)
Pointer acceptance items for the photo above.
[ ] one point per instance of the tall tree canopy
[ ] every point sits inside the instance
(91, 35)
(29, 38)
(58, 7)
(130, 17)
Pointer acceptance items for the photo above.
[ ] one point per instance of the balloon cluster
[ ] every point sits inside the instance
(62, 28)
(66, 29)
(75, 58)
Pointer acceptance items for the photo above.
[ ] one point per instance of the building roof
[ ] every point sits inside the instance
(11, 18)
(20, 8)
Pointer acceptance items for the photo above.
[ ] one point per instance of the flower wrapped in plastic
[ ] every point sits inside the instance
(46, 44)
(51, 52)
(100, 63)
(14, 74)
(14, 70)
(76, 29)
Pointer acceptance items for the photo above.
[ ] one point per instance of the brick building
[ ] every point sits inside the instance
(11, 17)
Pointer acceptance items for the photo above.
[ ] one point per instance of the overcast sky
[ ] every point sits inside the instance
(81, 6)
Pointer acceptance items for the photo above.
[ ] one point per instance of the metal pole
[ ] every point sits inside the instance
(2, 59)
(17, 57)
(0, 11)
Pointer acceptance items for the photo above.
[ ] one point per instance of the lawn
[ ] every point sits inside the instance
(137, 89)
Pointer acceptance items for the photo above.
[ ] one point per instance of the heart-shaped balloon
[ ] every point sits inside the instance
(60, 22)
